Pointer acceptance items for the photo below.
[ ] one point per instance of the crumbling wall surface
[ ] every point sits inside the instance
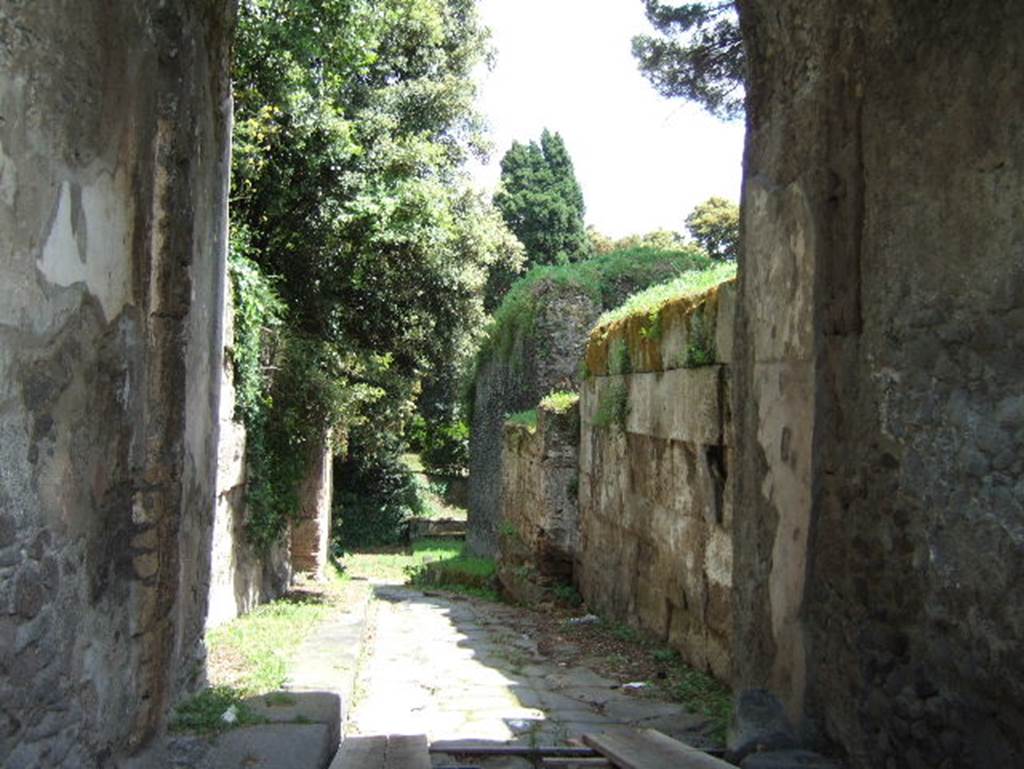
(539, 507)
(114, 127)
(311, 533)
(880, 354)
(655, 546)
(546, 359)
(241, 576)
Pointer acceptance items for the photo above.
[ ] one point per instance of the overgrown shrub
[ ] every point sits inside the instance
(374, 494)
(445, 448)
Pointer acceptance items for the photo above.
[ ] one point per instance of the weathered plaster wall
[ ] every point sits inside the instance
(539, 505)
(114, 126)
(655, 452)
(545, 360)
(241, 577)
(880, 422)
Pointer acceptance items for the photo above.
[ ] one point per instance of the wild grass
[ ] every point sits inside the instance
(204, 713)
(651, 300)
(457, 572)
(559, 401)
(259, 646)
(391, 563)
(527, 419)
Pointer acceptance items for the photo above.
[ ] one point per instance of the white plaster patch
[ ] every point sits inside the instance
(100, 257)
(718, 557)
(780, 271)
(8, 178)
(785, 433)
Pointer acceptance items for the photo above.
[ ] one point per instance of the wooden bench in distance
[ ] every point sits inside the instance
(650, 749)
(383, 752)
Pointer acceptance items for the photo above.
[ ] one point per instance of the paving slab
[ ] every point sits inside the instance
(453, 670)
(273, 746)
(301, 707)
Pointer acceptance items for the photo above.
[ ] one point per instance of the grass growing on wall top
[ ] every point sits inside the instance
(559, 401)
(603, 278)
(527, 419)
(650, 300)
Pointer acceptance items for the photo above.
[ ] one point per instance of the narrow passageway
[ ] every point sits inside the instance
(459, 668)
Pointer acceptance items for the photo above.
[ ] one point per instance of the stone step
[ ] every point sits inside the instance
(302, 732)
(301, 707)
(272, 746)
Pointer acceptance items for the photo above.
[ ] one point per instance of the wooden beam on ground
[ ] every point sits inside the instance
(575, 763)
(650, 749)
(472, 749)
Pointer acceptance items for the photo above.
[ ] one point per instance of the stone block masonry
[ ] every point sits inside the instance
(655, 547)
(536, 350)
(539, 507)
(114, 133)
(545, 360)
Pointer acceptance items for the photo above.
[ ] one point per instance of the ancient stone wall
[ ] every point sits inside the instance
(544, 352)
(539, 507)
(114, 133)
(880, 354)
(241, 577)
(311, 533)
(655, 453)
(542, 361)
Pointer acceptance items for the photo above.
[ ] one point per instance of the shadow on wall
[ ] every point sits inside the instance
(880, 354)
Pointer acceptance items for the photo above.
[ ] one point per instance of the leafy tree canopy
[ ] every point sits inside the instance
(715, 225)
(541, 201)
(353, 119)
(661, 240)
(698, 55)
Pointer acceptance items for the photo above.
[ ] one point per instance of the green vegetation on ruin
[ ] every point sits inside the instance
(527, 419)
(251, 654)
(650, 300)
(204, 712)
(559, 401)
(606, 279)
(435, 562)
(613, 406)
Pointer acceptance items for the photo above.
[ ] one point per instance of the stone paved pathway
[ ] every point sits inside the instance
(453, 669)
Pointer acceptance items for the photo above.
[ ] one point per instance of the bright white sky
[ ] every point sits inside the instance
(643, 161)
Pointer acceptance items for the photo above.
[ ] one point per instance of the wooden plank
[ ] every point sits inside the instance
(475, 749)
(575, 763)
(650, 749)
(361, 753)
(407, 751)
